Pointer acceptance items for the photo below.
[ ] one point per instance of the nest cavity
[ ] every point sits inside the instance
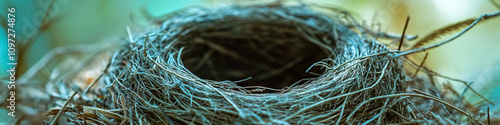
(255, 64)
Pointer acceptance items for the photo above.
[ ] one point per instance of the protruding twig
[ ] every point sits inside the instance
(481, 18)
(420, 66)
(463, 93)
(63, 108)
(488, 113)
(404, 32)
(97, 79)
(130, 35)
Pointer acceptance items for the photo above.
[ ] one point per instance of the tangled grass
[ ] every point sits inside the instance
(259, 64)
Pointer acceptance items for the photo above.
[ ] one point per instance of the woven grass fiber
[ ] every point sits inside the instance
(256, 64)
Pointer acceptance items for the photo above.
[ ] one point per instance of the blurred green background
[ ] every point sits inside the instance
(474, 56)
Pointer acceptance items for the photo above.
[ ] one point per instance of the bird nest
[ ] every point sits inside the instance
(256, 64)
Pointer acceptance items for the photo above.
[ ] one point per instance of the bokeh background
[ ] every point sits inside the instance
(473, 57)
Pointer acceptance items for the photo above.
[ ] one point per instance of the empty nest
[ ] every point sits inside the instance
(255, 64)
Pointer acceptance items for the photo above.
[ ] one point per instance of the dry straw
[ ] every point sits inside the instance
(261, 64)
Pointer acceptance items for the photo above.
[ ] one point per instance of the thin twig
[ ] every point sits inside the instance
(63, 109)
(489, 120)
(463, 93)
(421, 65)
(404, 32)
(97, 79)
(481, 18)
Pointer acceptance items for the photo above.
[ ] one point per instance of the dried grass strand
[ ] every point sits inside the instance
(479, 19)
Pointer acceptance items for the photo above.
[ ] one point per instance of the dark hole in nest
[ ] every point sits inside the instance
(274, 55)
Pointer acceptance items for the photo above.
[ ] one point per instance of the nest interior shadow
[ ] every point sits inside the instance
(254, 52)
